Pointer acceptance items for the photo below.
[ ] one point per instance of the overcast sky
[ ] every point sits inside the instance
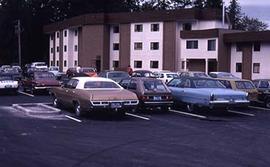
(255, 8)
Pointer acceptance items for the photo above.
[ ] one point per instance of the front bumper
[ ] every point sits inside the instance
(227, 103)
(44, 87)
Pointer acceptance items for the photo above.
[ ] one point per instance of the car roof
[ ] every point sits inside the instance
(261, 80)
(232, 79)
(86, 79)
(195, 78)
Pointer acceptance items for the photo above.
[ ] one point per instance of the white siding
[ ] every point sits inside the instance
(114, 54)
(262, 57)
(146, 54)
(51, 47)
(57, 44)
(236, 57)
(204, 25)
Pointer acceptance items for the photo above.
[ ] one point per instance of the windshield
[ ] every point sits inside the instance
(244, 85)
(87, 70)
(4, 78)
(171, 75)
(154, 85)
(226, 75)
(207, 83)
(201, 74)
(44, 76)
(174, 82)
(118, 75)
(100, 84)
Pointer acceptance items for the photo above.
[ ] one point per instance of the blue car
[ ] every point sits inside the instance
(205, 92)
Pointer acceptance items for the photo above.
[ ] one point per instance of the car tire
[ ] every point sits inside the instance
(190, 107)
(267, 103)
(165, 109)
(78, 110)
(56, 102)
(32, 91)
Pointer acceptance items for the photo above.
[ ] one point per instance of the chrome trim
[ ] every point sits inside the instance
(227, 101)
(159, 102)
(107, 103)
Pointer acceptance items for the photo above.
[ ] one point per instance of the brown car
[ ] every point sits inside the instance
(85, 94)
(243, 85)
(152, 93)
(39, 81)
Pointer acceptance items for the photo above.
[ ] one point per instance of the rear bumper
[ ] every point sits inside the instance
(156, 103)
(113, 105)
(227, 103)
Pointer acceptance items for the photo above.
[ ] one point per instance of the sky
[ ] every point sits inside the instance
(255, 8)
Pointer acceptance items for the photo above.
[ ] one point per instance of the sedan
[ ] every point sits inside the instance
(86, 94)
(152, 93)
(205, 92)
(8, 84)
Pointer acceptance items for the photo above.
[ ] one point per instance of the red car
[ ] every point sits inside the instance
(39, 81)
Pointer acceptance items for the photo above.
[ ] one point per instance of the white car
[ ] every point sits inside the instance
(55, 71)
(39, 65)
(8, 84)
(166, 76)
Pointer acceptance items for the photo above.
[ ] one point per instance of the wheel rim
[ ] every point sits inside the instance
(190, 107)
(268, 104)
(55, 102)
(78, 110)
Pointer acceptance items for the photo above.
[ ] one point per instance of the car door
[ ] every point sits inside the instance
(180, 92)
(132, 86)
(68, 93)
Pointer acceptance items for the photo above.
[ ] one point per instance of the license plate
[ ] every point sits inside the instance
(116, 105)
(157, 98)
(8, 86)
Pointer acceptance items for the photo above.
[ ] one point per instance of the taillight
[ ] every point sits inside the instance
(144, 98)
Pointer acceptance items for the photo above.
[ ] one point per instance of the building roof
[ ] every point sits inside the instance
(183, 15)
(242, 37)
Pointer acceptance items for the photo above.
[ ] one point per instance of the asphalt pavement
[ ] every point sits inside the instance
(240, 138)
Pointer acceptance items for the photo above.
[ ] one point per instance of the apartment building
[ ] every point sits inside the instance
(185, 39)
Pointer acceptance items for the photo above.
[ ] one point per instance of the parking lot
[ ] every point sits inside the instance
(150, 138)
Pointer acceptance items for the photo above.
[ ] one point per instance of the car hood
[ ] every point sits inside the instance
(109, 95)
(220, 91)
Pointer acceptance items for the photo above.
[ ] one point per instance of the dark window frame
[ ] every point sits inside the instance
(238, 67)
(136, 65)
(192, 44)
(256, 69)
(138, 46)
(138, 28)
(257, 47)
(155, 27)
(211, 45)
(153, 64)
(116, 46)
(154, 46)
(115, 63)
(116, 29)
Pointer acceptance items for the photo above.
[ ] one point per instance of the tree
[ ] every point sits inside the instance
(252, 24)
(239, 21)
(235, 15)
(176, 4)
(199, 4)
(214, 4)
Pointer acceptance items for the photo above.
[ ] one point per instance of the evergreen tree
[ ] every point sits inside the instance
(235, 15)
(214, 4)
(199, 4)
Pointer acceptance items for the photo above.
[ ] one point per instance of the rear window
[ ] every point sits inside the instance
(244, 85)
(100, 84)
(118, 75)
(264, 84)
(154, 85)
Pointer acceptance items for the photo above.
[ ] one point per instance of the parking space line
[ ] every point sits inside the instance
(259, 108)
(137, 116)
(27, 94)
(189, 114)
(74, 119)
(241, 113)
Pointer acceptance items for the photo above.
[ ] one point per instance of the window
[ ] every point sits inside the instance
(138, 28)
(75, 63)
(51, 50)
(238, 48)
(211, 45)
(263, 84)
(244, 85)
(132, 85)
(187, 27)
(115, 64)
(238, 67)
(115, 29)
(57, 49)
(154, 27)
(256, 68)
(137, 64)
(192, 45)
(65, 33)
(52, 63)
(138, 46)
(65, 63)
(153, 64)
(257, 47)
(65, 48)
(116, 46)
(76, 48)
(76, 32)
(51, 37)
(154, 46)
(57, 34)
(57, 63)
(227, 84)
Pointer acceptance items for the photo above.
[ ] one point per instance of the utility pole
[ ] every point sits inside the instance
(18, 31)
